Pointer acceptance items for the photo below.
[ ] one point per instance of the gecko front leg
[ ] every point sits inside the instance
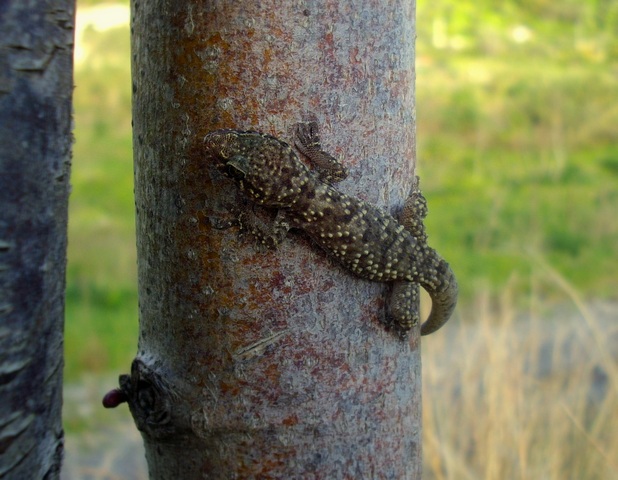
(307, 140)
(268, 234)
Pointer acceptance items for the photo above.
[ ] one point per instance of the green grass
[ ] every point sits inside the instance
(520, 163)
(517, 149)
(101, 298)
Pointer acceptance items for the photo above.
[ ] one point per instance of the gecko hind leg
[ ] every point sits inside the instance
(405, 296)
(414, 212)
(404, 307)
(444, 297)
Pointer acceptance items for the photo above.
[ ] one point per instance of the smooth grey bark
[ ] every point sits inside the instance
(36, 86)
(267, 364)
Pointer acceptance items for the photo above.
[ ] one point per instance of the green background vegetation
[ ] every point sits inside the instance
(517, 151)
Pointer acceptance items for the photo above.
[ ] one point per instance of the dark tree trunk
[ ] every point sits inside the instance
(36, 85)
(267, 364)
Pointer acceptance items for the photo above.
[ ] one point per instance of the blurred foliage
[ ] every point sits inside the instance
(517, 151)
(561, 31)
(101, 297)
(517, 139)
(93, 3)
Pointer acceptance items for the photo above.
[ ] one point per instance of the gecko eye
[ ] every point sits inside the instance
(234, 172)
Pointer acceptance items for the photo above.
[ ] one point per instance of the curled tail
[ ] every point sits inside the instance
(443, 298)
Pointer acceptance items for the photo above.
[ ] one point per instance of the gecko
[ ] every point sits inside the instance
(367, 241)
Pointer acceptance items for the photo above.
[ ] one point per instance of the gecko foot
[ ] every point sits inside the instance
(268, 234)
(414, 212)
(307, 141)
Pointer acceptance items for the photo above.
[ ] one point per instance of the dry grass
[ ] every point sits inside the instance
(534, 396)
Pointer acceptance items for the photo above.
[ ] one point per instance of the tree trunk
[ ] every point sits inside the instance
(36, 85)
(267, 364)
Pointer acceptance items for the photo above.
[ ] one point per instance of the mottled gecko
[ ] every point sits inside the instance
(364, 239)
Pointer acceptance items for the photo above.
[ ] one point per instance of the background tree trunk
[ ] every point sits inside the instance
(36, 85)
(267, 364)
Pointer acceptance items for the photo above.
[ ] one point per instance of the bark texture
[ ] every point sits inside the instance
(36, 85)
(267, 364)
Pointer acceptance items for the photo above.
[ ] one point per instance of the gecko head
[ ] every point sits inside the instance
(266, 169)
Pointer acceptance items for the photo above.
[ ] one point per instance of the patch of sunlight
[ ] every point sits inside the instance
(521, 34)
(98, 18)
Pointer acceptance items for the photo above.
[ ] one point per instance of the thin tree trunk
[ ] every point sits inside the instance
(36, 86)
(255, 363)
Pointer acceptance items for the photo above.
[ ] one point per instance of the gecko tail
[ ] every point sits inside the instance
(443, 300)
